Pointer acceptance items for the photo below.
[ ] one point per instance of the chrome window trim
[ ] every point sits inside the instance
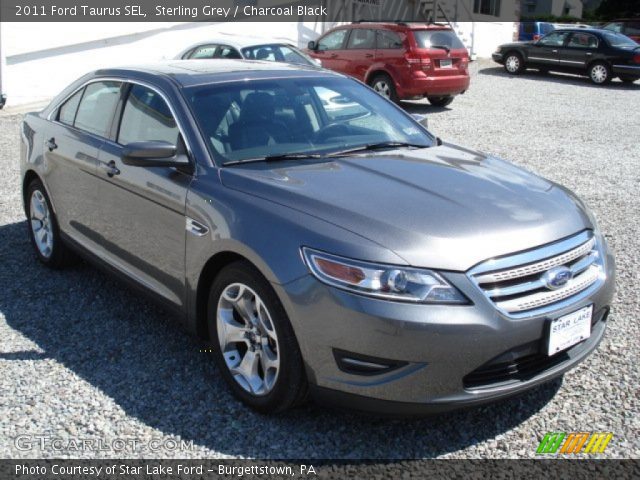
(123, 80)
(626, 66)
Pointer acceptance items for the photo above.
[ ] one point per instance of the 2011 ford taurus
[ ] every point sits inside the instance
(342, 252)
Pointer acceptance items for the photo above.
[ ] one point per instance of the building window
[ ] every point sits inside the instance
(487, 7)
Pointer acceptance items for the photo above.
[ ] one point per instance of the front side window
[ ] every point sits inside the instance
(67, 113)
(97, 106)
(362, 39)
(146, 117)
(554, 39)
(204, 51)
(253, 120)
(332, 41)
(583, 40)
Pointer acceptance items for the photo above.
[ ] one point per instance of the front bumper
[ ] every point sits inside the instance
(436, 346)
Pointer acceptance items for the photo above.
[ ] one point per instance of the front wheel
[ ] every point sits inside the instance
(514, 64)
(440, 101)
(254, 343)
(44, 231)
(600, 73)
(383, 84)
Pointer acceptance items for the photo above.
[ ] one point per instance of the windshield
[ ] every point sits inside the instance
(619, 40)
(437, 38)
(277, 53)
(310, 116)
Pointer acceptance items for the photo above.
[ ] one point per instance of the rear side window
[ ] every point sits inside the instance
(362, 39)
(528, 27)
(437, 38)
(67, 113)
(332, 41)
(147, 117)
(97, 106)
(227, 52)
(388, 40)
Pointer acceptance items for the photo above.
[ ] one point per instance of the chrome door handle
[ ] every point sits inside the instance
(110, 168)
(589, 54)
(554, 51)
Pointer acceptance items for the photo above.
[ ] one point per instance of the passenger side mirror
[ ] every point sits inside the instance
(312, 45)
(151, 154)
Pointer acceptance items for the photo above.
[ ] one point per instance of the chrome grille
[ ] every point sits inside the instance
(518, 284)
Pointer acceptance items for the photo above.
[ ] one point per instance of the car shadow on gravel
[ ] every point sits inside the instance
(139, 356)
(557, 77)
(422, 107)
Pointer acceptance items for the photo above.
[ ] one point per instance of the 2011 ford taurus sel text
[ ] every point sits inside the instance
(328, 247)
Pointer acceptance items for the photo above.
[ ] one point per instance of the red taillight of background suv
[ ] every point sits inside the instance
(400, 61)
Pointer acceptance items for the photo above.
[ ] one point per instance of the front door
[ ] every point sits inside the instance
(360, 53)
(331, 49)
(545, 52)
(142, 209)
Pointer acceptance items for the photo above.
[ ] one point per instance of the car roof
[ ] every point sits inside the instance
(235, 42)
(581, 30)
(398, 26)
(198, 72)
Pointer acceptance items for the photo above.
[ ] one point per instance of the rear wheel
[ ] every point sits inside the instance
(513, 63)
(44, 231)
(383, 84)
(255, 347)
(440, 101)
(599, 73)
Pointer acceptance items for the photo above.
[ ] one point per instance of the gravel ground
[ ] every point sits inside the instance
(82, 357)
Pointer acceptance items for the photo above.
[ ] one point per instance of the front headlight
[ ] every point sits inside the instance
(382, 281)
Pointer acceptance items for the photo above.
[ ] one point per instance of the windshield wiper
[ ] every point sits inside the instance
(275, 158)
(442, 47)
(376, 146)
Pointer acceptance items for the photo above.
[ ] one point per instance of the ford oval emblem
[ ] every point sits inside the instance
(557, 277)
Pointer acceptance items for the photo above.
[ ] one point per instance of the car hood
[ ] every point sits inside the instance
(443, 207)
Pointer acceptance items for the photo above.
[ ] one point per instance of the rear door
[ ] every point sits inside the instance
(142, 209)
(578, 50)
(78, 130)
(360, 53)
(331, 50)
(545, 52)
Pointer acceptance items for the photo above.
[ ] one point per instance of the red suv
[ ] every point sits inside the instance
(400, 61)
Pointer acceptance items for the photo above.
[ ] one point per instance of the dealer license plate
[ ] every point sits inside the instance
(570, 329)
(446, 63)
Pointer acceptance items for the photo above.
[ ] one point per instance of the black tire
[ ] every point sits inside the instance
(599, 73)
(59, 255)
(440, 101)
(625, 79)
(383, 84)
(290, 387)
(514, 63)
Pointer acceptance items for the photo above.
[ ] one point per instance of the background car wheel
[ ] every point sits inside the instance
(440, 101)
(629, 79)
(44, 232)
(600, 73)
(255, 347)
(383, 84)
(513, 63)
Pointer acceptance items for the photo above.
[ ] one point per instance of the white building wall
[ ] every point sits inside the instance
(40, 59)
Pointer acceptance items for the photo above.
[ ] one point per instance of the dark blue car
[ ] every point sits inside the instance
(533, 30)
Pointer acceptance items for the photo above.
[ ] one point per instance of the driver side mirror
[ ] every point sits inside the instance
(151, 154)
(312, 45)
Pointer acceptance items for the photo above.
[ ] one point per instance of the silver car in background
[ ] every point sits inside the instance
(324, 241)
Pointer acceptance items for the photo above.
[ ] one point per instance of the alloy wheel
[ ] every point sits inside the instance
(41, 226)
(512, 63)
(248, 339)
(599, 73)
(383, 88)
